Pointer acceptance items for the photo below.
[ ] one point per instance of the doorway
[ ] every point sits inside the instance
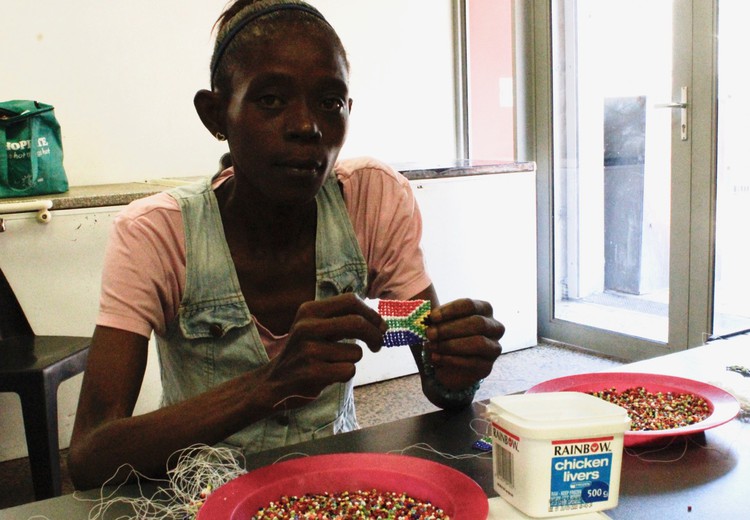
(624, 139)
(732, 276)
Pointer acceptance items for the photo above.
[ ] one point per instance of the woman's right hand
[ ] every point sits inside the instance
(316, 355)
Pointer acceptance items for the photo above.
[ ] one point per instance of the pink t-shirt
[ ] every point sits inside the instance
(144, 271)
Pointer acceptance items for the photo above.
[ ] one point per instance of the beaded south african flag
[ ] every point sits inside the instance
(406, 321)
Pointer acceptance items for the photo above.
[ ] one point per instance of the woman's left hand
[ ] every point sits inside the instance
(463, 342)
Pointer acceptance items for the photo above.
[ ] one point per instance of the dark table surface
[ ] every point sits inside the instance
(696, 477)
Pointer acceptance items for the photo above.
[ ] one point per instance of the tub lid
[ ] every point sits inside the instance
(556, 411)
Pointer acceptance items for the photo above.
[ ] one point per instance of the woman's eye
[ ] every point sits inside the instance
(333, 104)
(270, 101)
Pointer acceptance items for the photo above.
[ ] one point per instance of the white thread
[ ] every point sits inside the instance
(199, 470)
(639, 455)
(288, 455)
(292, 397)
(487, 426)
(426, 447)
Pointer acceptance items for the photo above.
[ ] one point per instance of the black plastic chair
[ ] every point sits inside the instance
(33, 367)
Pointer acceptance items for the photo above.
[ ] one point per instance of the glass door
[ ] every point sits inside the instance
(732, 276)
(612, 160)
(622, 132)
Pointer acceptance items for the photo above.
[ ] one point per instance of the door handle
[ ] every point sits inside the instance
(41, 207)
(682, 105)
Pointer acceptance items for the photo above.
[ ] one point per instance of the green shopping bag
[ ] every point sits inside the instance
(31, 156)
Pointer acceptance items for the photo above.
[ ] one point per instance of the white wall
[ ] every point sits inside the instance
(122, 76)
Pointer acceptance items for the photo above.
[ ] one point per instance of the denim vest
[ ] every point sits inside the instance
(214, 338)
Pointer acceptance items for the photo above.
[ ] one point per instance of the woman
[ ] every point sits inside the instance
(253, 281)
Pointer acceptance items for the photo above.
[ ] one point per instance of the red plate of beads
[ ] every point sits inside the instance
(422, 480)
(722, 406)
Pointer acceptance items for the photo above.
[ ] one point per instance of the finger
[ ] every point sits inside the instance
(313, 365)
(322, 374)
(341, 305)
(342, 372)
(472, 325)
(351, 326)
(459, 309)
(470, 368)
(333, 352)
(473, 347)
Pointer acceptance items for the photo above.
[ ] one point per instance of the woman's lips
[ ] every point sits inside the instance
(303, 167)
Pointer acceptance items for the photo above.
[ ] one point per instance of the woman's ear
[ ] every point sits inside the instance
(208, 105)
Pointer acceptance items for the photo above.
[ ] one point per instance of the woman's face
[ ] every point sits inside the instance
(286, 115)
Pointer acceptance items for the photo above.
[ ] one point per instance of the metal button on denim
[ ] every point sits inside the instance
(216, 331)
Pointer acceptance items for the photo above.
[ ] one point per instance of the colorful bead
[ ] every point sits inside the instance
(483, 444)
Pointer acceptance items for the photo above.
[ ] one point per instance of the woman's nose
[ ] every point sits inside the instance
(303, 125)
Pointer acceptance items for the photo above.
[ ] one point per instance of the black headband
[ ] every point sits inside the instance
(222, 47)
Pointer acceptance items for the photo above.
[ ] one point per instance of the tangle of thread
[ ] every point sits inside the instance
(199, 470)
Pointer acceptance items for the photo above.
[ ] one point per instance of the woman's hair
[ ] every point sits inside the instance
(245, 22)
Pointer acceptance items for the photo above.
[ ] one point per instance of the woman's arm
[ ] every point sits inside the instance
(106, 435)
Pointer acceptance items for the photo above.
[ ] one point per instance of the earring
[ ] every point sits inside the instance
(219, 136)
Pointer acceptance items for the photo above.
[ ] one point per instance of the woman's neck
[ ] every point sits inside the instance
(262, 223)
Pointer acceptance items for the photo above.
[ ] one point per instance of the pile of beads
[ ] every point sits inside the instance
(657, 411)
(346, 505)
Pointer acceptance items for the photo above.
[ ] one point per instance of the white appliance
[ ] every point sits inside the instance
(54, 266)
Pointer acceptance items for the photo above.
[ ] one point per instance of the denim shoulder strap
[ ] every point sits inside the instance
(340, 264)
(211, 279)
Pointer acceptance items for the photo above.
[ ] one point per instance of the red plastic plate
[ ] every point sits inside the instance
(723, 404)
(458, 495)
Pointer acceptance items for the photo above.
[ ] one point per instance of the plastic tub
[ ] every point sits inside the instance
(557, 453)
